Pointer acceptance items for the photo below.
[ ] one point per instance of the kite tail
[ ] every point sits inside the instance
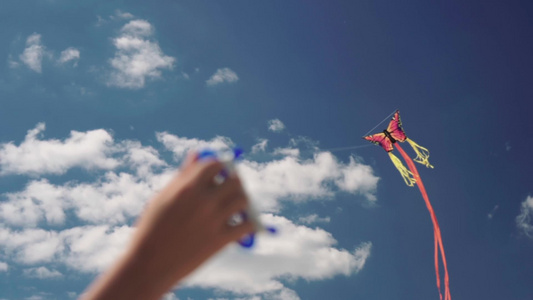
(422, 154)
(436, 228)
(406, 175)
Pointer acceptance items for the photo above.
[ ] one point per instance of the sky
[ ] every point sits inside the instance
(101, 100)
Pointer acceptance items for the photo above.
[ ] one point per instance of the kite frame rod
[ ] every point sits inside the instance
(388, 117)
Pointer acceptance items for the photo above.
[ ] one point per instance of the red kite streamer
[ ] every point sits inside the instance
(395, 133)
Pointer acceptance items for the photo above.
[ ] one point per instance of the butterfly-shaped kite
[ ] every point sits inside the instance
(386, 139)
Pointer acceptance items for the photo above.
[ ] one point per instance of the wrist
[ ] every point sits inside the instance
(131, 277)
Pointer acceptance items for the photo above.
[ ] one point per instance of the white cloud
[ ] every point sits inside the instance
(33, 54)
(276, 125)
(295, 152)
(294, 179)
(138, 28)
(123, 15)
(3, 267)
(491, 214)
(137, 57)
(140, 158)
(281, 294)
(38, 201)
(42, 273)
(69, 54)
(524, 219)
(295, 252)
(356, 177)
(104, 208)
(170, 296)
(260, 146)
(288, 177)
(221, 76)
(94, 248)
(118, 16)
(182, 145)
(30, 246)
(113, 199)
(12, 63)
(313, 218)
(88, 150)
(88, 249)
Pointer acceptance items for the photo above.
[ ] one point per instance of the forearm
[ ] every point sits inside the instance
(130, 278)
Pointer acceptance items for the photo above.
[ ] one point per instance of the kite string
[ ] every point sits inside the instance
(360, 146)
(347, 148)
(388, 117)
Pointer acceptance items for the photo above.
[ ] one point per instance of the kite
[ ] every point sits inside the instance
(386, 139)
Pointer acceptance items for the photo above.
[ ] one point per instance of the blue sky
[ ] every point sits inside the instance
(99, 101)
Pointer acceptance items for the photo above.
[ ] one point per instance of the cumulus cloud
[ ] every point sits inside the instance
(123, 15)
(141, 158)
(37, 202)
(260, 146)
(491, 214)
(34, 156)
(42, 273)
(33, 220)
(276, 125)
(181, 145)
(41, 296)
(290, 177)
(137, 56)
(295, 152)
(293, 179)
(313, 218)
(113, 199)
(3, 267)
(524, 219)
(69, 54)
(170, 296)
(118, 16)
(281, 294)
(296, 252)
(12, 63)
(88, 249)
(221, 76)
(33, 53)
(357, 177)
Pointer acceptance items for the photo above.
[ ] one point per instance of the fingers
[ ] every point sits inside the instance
(236, 204)
(230, 186)
(232, 197)
(229, 199)
(208, 171)
(236, 232)
(192, 156)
